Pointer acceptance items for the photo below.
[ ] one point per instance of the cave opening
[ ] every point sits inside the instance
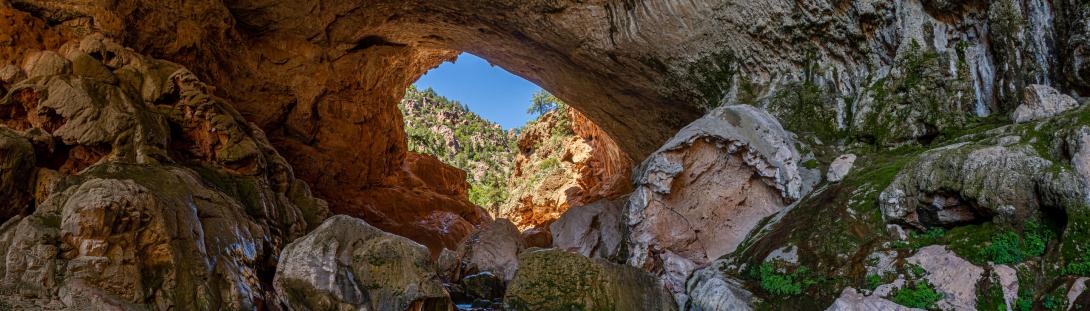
(527, 156)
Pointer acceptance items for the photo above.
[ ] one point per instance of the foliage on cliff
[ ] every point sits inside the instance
(447, 129)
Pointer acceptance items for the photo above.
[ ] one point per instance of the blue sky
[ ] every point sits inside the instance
(490, 91)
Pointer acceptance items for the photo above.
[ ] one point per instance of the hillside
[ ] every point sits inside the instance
(447, 129)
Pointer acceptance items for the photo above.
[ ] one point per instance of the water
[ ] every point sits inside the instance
(1040, 26)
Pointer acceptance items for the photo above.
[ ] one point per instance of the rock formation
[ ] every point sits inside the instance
(347, 264)
(564, 161)
(133, 186)
(704, 191)
(558, 280)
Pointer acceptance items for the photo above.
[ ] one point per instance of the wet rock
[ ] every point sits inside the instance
(347, 263)
(493, 249)
(954, 277)
(484, 285)
(700, 195)
(559, 280)
(538, 237)
(852, 300)
(966, 182)
(1042, 101)
(592, 230)
(840, 167)
(711, 290)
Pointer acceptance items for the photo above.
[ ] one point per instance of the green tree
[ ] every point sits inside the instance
(544, 102)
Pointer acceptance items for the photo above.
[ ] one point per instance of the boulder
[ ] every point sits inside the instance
(707, 188)
(347, 264)
(540, 237)
(969, 182)
(709, 289)
(592, 230)
(840, 167)
(954, 277)
(494, 249)
(558, 280)
(1042, 101)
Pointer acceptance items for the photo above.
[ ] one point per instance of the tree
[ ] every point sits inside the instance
(543, 103)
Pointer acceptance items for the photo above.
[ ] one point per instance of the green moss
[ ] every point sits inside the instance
(990, 296)
(782, 284)
(920, 294)
(872, 282)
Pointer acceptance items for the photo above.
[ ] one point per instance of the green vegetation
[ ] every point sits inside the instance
(447, 129)
(782, 284)
(920, 295)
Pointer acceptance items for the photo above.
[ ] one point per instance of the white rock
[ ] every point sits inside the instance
(952, 276)
(592, 230)
(851, 300)
(1008, 279)
(1076, 291)
(840, 168)
(1042, 101)
(710, 290)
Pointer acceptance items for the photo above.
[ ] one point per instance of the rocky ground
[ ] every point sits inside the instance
(800, 155)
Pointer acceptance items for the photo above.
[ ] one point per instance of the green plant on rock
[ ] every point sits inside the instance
(781, 283)
(920, 295)
(1010, 248)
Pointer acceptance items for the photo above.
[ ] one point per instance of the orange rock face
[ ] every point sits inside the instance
(565, 160)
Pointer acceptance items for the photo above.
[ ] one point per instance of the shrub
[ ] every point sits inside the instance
(782, 284)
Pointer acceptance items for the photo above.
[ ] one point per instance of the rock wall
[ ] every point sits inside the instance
(135, 187)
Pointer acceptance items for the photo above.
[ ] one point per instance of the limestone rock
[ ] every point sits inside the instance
(493, 249)
(703, 192)
(952, 276)
(1008, 280)
(558, 280)
(593, 230)
(347, 264)
(1042, 101)
(840, 167)
(851, 300)
(710, 290)
(966, 182)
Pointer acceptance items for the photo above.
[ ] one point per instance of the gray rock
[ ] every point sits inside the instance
(1076, 290)
(10, 74)
(484, 285)
(852, 300)
(45, 63)
(840, 167)
(592, 230)
(347, 264)
(1011, 183)
(1042, 101)
(494, 249)
(954, 277)
(709, 289)
(1008, 280)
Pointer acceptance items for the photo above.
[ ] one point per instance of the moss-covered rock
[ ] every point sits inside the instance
(558, 280)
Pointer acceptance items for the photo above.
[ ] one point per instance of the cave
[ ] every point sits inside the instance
(239, 154)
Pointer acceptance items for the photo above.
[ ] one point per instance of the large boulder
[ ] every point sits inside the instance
(1042, 101)
(706, 189)
(593, 230)
(558, 280)
(709, 289)
(852, 300)
(493, 249)
(346, 264)
(965, 183)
